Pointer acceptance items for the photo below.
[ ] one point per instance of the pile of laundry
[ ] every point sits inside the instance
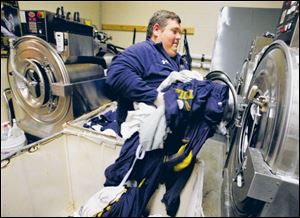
(105, 122)
(161, 149)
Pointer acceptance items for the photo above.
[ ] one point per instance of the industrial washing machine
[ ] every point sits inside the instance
(46, 91)
(53, 75)
(261, 174)
(261, 171)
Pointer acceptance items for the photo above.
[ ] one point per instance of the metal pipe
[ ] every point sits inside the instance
(202, 65)
(202, 57)
(5, 92)
(13, 66)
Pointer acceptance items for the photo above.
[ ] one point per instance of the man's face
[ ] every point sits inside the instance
(170, 36)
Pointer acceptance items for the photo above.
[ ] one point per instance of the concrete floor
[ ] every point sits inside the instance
(212, 153)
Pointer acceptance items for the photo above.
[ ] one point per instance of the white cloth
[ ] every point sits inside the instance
(110, 132)
(135, 118)
(153, 130)
(99, 201)
(221, 128)
(181, 76)
(96, 127)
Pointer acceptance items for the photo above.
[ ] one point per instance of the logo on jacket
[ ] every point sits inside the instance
(164, 61)
(184, 97)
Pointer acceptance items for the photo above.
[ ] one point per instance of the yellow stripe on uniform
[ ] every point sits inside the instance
(141, 183)
(187, 105)
(180, 150)
(184, 163)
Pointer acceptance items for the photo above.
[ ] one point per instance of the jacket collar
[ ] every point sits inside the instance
(160, 47)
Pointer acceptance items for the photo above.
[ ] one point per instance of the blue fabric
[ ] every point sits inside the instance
(206, 110)
(135, 200)
(135, 74)
(194, 123)
(106, 120)
(177, 118)
(215, 104)
(116, 172)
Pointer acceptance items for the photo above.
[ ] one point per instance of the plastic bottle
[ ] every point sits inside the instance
(5, 131)
(15, 130)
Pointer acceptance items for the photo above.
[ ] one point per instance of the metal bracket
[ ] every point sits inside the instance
(261, 184)
(60, 89)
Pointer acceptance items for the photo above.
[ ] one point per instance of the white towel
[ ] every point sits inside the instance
(135, 118)
(153, 130)
(99, 201)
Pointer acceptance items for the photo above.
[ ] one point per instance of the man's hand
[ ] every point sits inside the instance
(182, 76)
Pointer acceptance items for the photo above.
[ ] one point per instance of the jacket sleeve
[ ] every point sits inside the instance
(124, 76)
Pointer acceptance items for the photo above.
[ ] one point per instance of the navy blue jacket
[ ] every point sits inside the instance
(135, 74)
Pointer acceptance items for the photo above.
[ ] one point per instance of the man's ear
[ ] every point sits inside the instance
(156, 30)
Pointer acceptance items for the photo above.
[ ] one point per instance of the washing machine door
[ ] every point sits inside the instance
(38, 111)
(230, 111)
(245, 75)
(262, 177)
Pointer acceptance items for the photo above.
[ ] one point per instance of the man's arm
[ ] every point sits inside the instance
(124, 78)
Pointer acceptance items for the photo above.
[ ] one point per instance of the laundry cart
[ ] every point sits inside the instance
(58, 174)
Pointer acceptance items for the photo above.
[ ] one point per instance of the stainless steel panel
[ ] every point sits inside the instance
(259, 182)
(295, 38)
(60, 92)
(237, 28)
(81, 72)
(286, 202)
(77, 45)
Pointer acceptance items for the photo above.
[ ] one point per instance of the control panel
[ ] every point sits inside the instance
(287, 21)
(34, 23)
(44, 24)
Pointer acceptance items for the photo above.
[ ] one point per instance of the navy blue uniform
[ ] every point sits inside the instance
(135, 74)
(191, 124)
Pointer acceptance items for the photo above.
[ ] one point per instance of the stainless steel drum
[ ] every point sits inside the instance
(46, 92)
(262, 175)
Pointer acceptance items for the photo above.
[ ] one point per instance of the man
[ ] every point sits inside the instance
(183, 120)
(135, 74)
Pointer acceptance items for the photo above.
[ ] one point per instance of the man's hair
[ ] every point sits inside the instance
(161, 17)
